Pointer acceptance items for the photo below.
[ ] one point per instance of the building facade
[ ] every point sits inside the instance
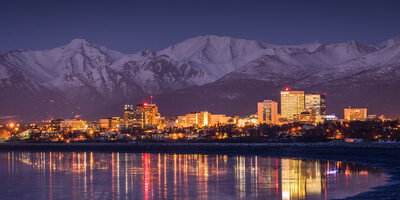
(110, 123)
(150, 113)
(136, 119)
(354, 114)
(267, 112)
(73, 125)
(128, 112)
(219, 119)
(200, 119)
(308, 116)
(292, 103)
(317, 102)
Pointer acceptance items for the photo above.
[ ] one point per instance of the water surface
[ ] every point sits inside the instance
(97, 175)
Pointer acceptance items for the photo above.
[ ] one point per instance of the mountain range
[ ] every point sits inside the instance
(219, 74)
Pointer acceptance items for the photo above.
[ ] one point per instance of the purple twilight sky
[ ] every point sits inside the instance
(129, 26)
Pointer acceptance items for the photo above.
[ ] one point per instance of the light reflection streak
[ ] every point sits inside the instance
(166, 176)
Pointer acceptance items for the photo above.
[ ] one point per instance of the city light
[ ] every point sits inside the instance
(299, 115)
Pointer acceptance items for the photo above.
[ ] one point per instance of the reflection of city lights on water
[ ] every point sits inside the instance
(285, 195)
(180, 176)
(331, 172)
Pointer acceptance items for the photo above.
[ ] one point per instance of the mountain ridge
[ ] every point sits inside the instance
(82, 70)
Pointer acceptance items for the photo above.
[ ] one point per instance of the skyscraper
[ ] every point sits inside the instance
(292, 102)
(137, 119)
(150, 112)
(317, 103)
(128, 112)
(267, 112)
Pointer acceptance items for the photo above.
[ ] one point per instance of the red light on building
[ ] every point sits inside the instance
(286, 89)
(145, 104)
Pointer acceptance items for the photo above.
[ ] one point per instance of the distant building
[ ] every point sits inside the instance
(128, 112)
(354, 114)
(200, 119)
(267, 112)
(94, 126)
(181, 121)
(307, 116)
(292, 102)
(330, 118)
(73, 125)
(316, 102)
(150, 113)
(136, 119)
(55, 125)
(166, 122)
(251, 120)
(110, 123)
(219, 119)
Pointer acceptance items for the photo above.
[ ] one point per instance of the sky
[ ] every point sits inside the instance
(130, 26)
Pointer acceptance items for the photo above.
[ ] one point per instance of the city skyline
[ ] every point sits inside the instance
(199, 99)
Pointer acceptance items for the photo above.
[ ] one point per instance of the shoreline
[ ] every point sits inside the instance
(382, 155)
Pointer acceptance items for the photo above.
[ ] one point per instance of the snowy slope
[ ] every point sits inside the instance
(83, 71)
(388, 57)
(219, 56)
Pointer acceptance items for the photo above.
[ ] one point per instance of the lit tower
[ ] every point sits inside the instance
(267, 112)
(150, 112)
(292, 103)
(317, 103)
(128, 112)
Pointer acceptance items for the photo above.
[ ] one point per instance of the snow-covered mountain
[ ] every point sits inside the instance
(81, 71)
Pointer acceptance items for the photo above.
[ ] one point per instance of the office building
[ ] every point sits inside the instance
(354, 114)
(111, 123)
(128, 112)
(150, 113)
(219, 119)
(308, 116)
(136, 119)
(267, 112)
(73, 125)
(292, 102)
(316, 102)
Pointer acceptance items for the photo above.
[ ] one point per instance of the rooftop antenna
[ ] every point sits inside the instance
(151, 99)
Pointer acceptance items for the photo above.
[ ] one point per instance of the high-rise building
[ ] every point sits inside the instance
(150, 113)
(267, 112)
(128, 112)
(317, 102)
(292, 102)
(354, 114)
(136, 119)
